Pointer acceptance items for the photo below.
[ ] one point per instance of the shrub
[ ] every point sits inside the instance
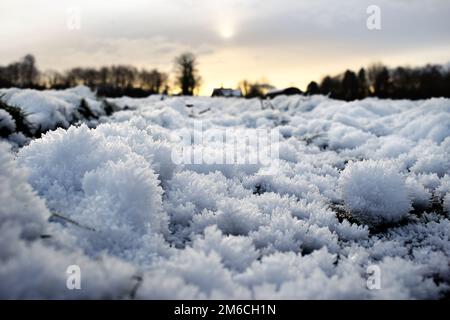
(18, 116)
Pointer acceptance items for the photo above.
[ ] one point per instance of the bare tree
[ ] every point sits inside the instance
(53, 79)
(187, 77)
(363, 90)
(245, 87)
(350, 86)
(28, 72)
(104, 75)
(373, 72)
(74, 77)
(154, 80)
(255, 89)
(91, 77)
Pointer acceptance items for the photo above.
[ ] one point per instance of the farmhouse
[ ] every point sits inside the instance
(226, 92)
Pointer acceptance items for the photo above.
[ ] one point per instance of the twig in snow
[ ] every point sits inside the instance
(71, 221)
(204, 111)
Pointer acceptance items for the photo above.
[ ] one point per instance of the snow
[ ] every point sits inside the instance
(447, 203)
(52, 109)
(20, 208)
(32, 267)
(44, 111)
(356, 184)
(374, 192)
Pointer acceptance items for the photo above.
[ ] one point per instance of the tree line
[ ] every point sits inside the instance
(110, 81)
(380, 81)
(376, 81)
(113, 81)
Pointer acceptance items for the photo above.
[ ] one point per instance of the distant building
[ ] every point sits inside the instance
(284, 92)
(226, 92)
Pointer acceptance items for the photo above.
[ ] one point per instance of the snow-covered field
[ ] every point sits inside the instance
(359, 190)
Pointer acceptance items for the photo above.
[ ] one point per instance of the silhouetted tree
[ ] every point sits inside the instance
(330, 87)
(21, 74)
(53, 79)
(363, 86)
(313, 88)
(154, 80)
(5, 79)
(255, 89)
(382, 84)
(13, 71)
(104, 75)
(28, 72)
(431, 80)
(350, 86)
(187, 77)
(244, 86)
(372, 73)
(74, 77)
(123, 76)
(446, 84)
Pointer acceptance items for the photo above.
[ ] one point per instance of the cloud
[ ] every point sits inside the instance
(311, 35)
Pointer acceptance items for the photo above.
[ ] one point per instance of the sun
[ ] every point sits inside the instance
(226, 31)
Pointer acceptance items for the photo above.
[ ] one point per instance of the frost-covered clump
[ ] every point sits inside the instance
(20, 207)
(374, 192)
(34, 112)
(105, 183)
(33, 267)
(44, 111)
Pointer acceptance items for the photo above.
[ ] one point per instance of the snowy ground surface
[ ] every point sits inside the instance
(358, 187)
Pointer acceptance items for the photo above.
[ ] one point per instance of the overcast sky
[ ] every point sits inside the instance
(288, 42)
